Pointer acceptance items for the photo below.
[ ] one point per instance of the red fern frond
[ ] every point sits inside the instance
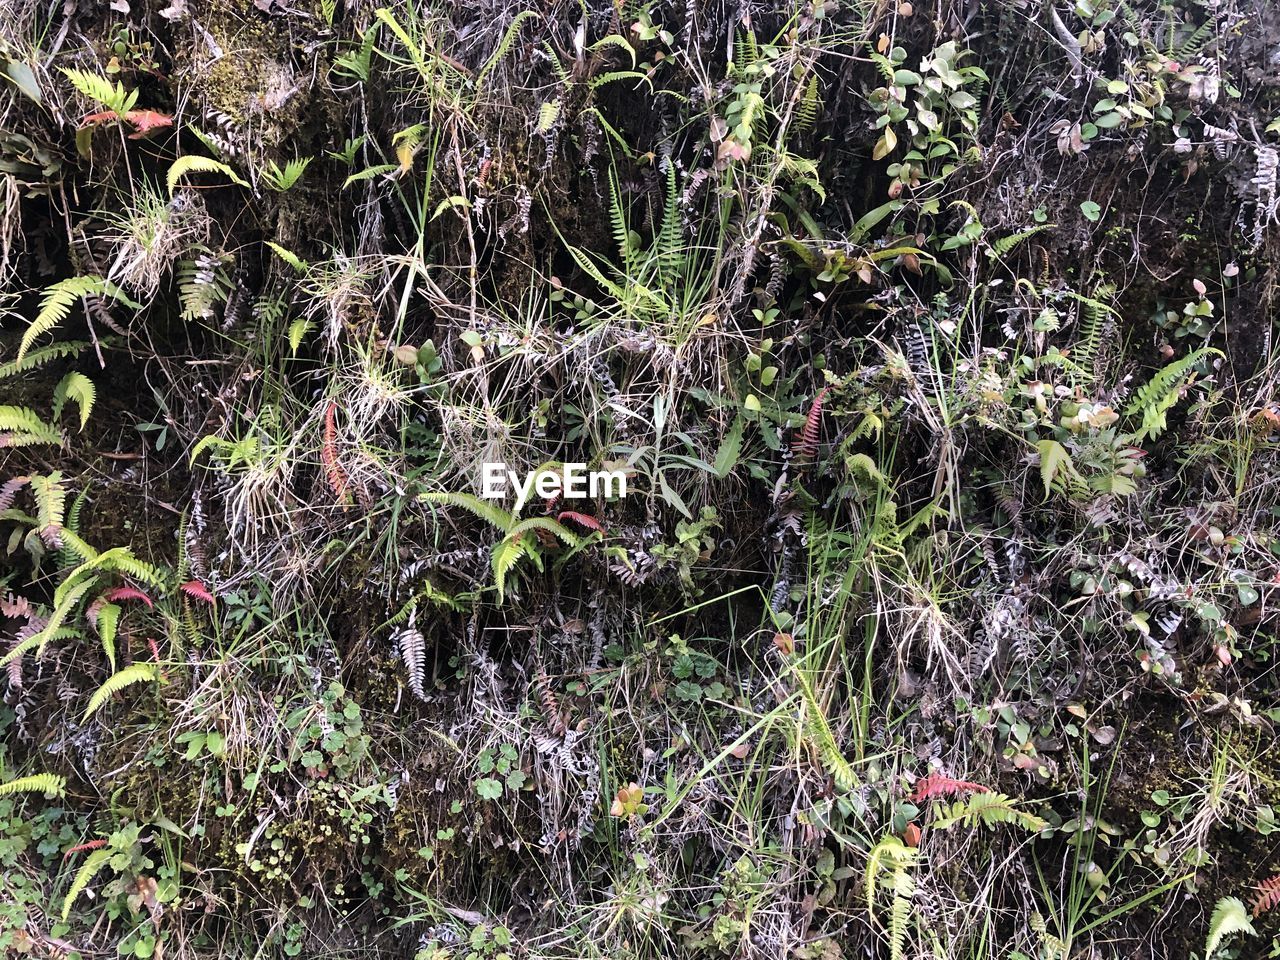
(805, 446)
(154, 648)
(939, 785)
(1268, 895)
(582, 519)
(550, 705)
(333, 471)
(116, 594)
(198, 591)
(81, 848)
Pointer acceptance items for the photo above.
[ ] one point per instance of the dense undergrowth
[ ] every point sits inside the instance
(935, 342)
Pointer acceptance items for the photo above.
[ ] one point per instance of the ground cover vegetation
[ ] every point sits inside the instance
(935, 340)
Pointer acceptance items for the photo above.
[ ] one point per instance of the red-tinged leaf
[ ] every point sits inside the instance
(938, 785)
(1268, 895)
(91, 845)
(805, 446)
(197, 590)
(582, 519)
(911, 835)
(144, 121)
(117, 594)
(93, 119)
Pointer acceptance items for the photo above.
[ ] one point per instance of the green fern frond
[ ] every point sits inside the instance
(810, 106)
(818, 731)
(504, 45)
(40, 356)
(1158, 395)
(1006, 244)
(561, 532)
(51, 504)
(193, 163)
(55, 306)
(137, 673)
(505, 556)
(548, 114)
(22, 427)
(487, 512)
(99, 88)
(84, 876)
(988, 809)
(46, 783)
(108, 621)
(77, 388)
(1229, 918)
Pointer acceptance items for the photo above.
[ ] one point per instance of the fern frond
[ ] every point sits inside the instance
(136, 673)
(78, 388)
(988, 809)
(22, 427)
(51, 504)
(46, 783)
(40, 356)
(55, 306)
(192, 163)
(818, 731)
(413, 651)
(505, 556)
(938, 785)
(504, 45)
(1005, 245)
(1229, 918)
(84, 876)
(108, 621)
(1157, 396)
(1268, 895)
(487, 512)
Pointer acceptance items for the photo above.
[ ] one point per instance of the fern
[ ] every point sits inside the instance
(69, 556)
(888, 868)
(809, 107)
(938, 785)
(78, 388)
(51, 504)
(99, 88)
(46, 783)
(548, 114)
(285, 178)
(505, 556)
(1006, 244)
(504, 45)
(1095, 316)
(192, 163)
(40, 356)
(22, 427)
(55, 306)
(1229, 918)
(413, 651)
(1157, 396)
(819, 732)
(988, 809)
(108, 621)
(487, 512)
(84, 876)
(137, 673)
(1268, 895)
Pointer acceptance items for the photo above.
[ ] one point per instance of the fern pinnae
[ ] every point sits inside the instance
(75, 386)
(491, 514)
(84, 876)
(40, 356)
(504, 45)
(135, 673)
(47, 783)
